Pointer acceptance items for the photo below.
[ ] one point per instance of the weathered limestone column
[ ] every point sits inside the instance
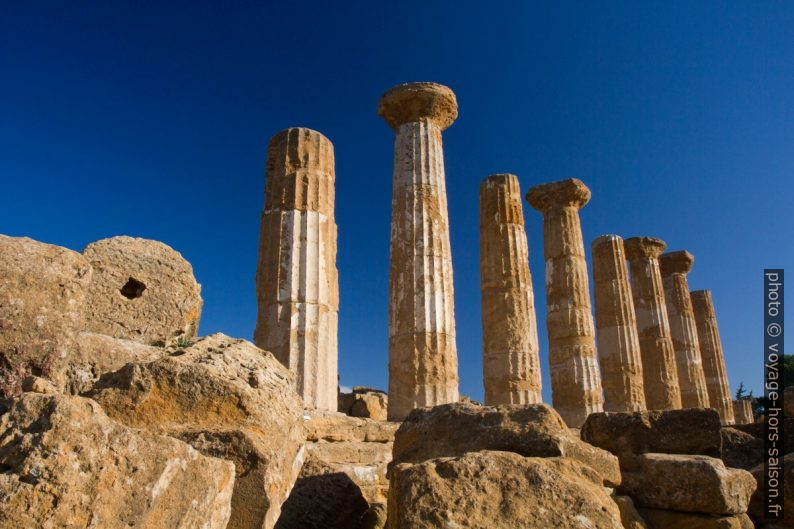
(296, 278)
(659, 372)
(743, 411)
(575, 379)
(511, 368)
(618, 344)
(423, 358)
(675, 266)
(717, 385)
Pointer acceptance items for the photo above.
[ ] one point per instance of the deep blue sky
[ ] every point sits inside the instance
(152, 120)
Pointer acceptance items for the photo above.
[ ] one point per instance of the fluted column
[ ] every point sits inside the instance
(717, 385)
(743, 411)
(659, 371)
(296, 277)
(575, 379)
(675, 267)
(616, 324)
(423, 359)
(511, 368)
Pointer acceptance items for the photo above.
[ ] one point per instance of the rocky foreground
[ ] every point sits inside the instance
(110, 419)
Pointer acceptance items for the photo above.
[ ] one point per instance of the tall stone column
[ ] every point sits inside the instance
(659, 371)
(743, 411)
(675, 267)
(616, 324)
(575, 379)
(423, 358)
(511, 368)
(717, 385)
(296, 278)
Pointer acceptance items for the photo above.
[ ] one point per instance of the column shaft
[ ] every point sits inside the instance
(616, 324)
(717, 385)
(297, 282)
(511, 368)
(423, 361)
(660, 374)
(575, 379)
(675, 266)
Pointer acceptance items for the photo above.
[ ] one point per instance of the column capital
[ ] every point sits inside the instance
(679, 262)
(637, 247)
(413, 102)
(562, 193)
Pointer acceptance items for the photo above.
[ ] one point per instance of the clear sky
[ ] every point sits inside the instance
(152, 120)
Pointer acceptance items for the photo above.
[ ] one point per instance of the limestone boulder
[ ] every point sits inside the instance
(660, 519)
(756, 429)
(229, 399)
(626, 434)
(141, 290)
(786, 475)
(42, 296)
(688, 483)
(93, 355)
(788, 401)
(66, 464)
(740, 449)
(331, 427)
(534, 430)
(364, 402)
(629, 516)
(343, 481)
(499, 490)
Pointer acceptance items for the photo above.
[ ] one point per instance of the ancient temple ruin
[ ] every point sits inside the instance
(618, 345)
(675, 267)
(716, 374)
(575, 378)
(423, 357)
(511, 367)
(660, 374)
(296, 279)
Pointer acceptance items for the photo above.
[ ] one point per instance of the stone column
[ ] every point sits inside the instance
(717, 385)
(423, 359)
(511, 368)
(575, 379)
(743, 411)
(659, 372)
(618, 345)
(296, 277)
(675, 266)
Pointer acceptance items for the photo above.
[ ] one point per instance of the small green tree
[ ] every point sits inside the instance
(742, 394)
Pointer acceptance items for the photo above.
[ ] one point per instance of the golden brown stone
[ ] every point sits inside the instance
(743, 411)
(660, 374)
(618, 345)
(717, 385)
(423, 361)
(297, 281)
(675, 266)
(575, 379)
(511, 368)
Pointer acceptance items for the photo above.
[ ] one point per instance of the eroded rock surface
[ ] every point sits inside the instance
(688, 483)
(534, 430)
(343, 482)
(740, 449)
(229, 399)
(659, 519)
(66, 464)
(499, 490)
(688, 431)
(141, 290)
(42, 297)
(364, 402)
